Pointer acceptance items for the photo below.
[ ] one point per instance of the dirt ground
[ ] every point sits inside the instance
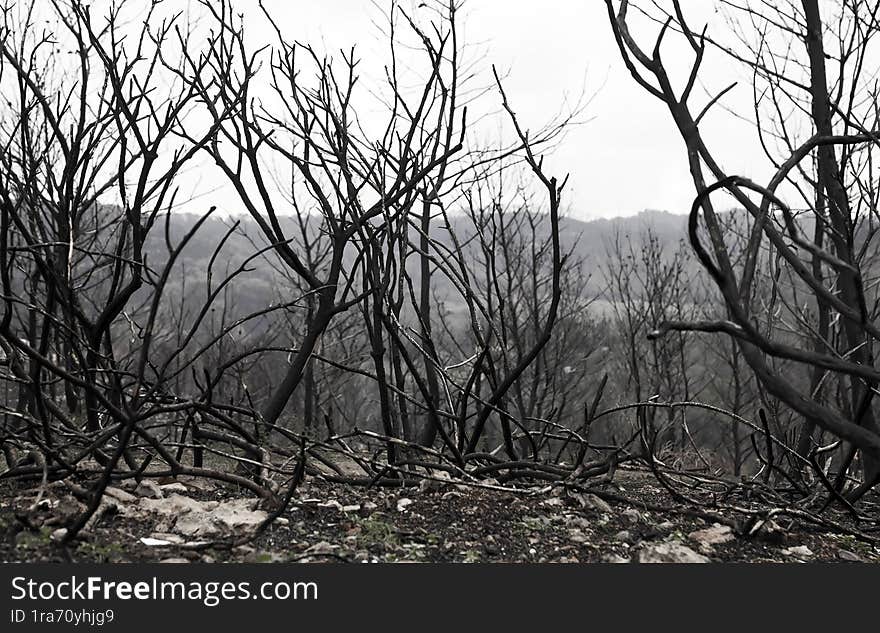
(451, 523)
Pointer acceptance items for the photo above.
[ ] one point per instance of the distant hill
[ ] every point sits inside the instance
(255, 289)
(595, 237)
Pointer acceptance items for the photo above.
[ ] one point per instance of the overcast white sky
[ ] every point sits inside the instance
(628, 156)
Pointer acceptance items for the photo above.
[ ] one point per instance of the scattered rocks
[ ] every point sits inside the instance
(670, 552)
(473, 525)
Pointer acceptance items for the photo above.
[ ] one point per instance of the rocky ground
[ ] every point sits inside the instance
(196, 521)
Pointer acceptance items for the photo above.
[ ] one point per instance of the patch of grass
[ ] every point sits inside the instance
(533, 524)
(100, 552)
(33, 540)
(375, 531)
(471, 556)
(851, 543)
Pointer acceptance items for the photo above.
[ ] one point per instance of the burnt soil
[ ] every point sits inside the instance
(338, 523)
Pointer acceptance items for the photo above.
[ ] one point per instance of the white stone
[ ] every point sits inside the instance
(322, 547)
(798, 551)
(852, 557)
(148, 489)
(120, 495)
(671, 552)
(624, 536)
(707, 538)
(205, 518)
(593, 502)
(166, 536)
(614, 558)
(174, 487)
